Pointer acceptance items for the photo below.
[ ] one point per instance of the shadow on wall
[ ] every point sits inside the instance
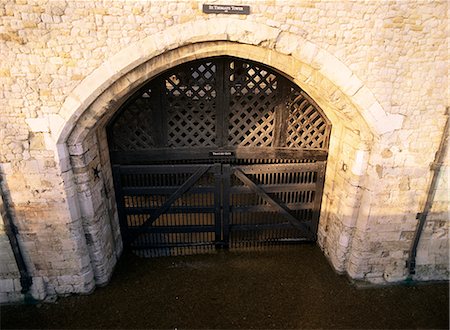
(16, 275)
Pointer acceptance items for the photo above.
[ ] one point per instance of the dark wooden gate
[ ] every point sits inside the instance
(219, 152)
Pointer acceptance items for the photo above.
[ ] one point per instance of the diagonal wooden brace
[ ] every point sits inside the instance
(180, 191)
(280, 207)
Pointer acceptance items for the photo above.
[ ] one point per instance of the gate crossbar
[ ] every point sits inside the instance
(180, 191)
(279, 206)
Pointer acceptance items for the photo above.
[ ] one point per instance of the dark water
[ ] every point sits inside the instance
(293, 287)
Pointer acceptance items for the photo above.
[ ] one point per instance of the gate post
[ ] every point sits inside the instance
(226, 183)
(218, 205)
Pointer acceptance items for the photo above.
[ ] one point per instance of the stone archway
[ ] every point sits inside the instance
(79, 129)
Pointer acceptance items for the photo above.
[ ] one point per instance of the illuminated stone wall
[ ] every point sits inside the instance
(9, 274)
(378, 69)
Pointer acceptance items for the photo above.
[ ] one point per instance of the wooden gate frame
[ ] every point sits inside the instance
(222, 190)
(146, 226)
(292, 127)
(297, 127)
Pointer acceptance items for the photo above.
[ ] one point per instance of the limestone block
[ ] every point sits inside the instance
(17, 285)
(56, 124)
(86, 206)
(305, 51)
(395, 271)
(38, 124)
(210, 31)
(7, 285)
(360, 164)
(251, 32)
(6, 168)
(85, 283)
(351, 85)
(332, 68)
(37, 289)
(344, 240)
(64, 163)
(126, 59)
(386, 123)
(76, 149)
(365, 99)
(71, 104)
(94, 84)
(74, 208)
(31, 166)
(287, 43)
(150, 47)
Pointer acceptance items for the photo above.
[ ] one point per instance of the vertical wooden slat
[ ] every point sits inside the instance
(163, 104)
(226, 183)
(281, 114)
(221, 104)
(217, 204)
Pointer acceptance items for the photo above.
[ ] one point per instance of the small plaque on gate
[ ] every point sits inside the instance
(226, 9)
(221, 154)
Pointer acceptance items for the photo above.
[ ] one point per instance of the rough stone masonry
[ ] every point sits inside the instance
(378, 69)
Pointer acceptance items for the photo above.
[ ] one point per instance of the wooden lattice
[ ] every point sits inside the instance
(196, 180)
(221, 103)
(191, 106)
(133, 129)
(307, 127)
(253, 98)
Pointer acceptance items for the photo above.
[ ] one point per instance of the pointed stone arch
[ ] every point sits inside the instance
(318, 64)
(78, 129)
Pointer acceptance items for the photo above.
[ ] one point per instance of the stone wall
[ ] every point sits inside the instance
(9, 273)
(433, 250)
(378, 69)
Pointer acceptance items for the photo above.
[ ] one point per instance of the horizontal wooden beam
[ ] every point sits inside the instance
(207, 154)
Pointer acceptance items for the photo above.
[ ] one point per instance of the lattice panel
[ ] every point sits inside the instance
(253, 96)
(258, 108)
(133, 128)
(307, 128)
(191, 106)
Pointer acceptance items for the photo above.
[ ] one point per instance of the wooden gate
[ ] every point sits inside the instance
(219, 152)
